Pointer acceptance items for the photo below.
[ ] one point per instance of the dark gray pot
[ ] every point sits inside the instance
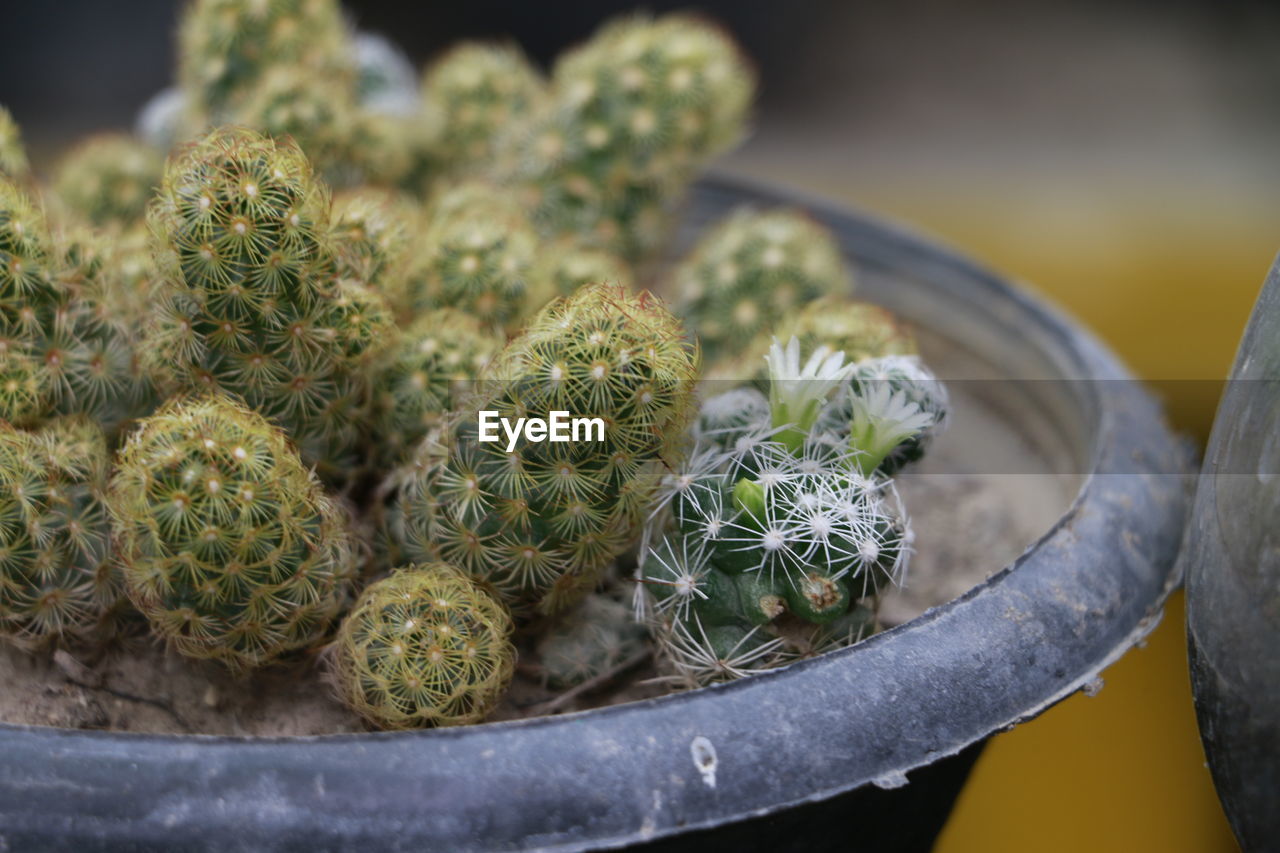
(867, 746)
(1232, 561)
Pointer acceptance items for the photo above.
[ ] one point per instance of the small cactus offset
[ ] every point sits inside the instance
(542, 521)
(476, 255)
(435, 361)
(752, 269)
(249, 301)
(108, 179)
(590, 641)
(227, 544)
(57, 584)
(426, 646)
(480, 92)
(858, 329)
(13, 156)
(779, 532)
(632, 114)
(564, 266)
(227, 47)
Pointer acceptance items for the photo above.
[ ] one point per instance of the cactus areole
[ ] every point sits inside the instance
(847, 742)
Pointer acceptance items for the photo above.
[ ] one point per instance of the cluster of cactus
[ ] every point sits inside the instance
(540, 520)
(227, 543)
(56, 577)
(425, 646)
(477, 262)
(629, 118)
(783, 526)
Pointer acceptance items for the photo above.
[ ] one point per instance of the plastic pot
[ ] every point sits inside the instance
(867, 746)
(1232, 562)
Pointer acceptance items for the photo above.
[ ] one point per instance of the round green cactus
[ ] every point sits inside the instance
(542, 521)
(435, 362)
(475, 255)
(565, 265)
(480, 91)
(226, 48)
(108, 179)
(249, 301)
(426, 646)
(56, 579)
(13, 156)
(227, 543)
(751, 269)
(590, 641)
(633, 113)
(374, 234)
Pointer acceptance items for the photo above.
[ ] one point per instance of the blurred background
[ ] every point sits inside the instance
(1122, 158)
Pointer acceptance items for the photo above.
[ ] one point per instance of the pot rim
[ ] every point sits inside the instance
(447, 778)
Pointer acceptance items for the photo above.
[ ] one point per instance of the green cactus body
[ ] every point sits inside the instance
(590, 641)
(13, 156)
(374, 233)
(564, 266)
(108, 179)
(249, 301)
(227, 543)
(436, 361)
(65, 348)
(480, 91)
(227, 47)
(781, 529)
(476, 255)
(857, 329)
(633, 113)
(751, 270)
(426, 646)
(56, 579)
(541, 522)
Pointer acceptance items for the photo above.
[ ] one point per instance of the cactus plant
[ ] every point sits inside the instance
(564, 265)
(632, 114)
(590, 641)
(436, 359)
(750, 270)
(13, 156)
(542, 521)
(66, 349)
(480, 91)
(774, 540)
(227, 544)
(227, 47)
(57, 584)
(108, 179)
(374, 232)
(475, 255)
(426, 646)
(248, 300)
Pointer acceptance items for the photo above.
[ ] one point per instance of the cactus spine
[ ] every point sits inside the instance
(426, 646)
(541, 522)
(13, 156)
(227, 543)
(249, 302)
(564, 266)
(589, 641)
(56, 578)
